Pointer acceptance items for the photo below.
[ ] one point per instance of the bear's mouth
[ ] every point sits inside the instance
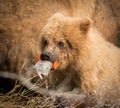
(55, 64)
(43, 67)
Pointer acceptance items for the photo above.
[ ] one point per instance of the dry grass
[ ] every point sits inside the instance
(20, 97)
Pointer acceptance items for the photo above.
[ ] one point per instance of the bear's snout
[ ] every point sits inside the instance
(45, 56)
(48, 56)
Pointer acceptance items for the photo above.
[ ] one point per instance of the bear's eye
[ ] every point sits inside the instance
(60, 44)
(45, 42)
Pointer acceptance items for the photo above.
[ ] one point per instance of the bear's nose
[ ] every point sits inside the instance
(45, 56)
(48, 56)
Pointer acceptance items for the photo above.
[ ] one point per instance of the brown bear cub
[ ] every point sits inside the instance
(86, 60)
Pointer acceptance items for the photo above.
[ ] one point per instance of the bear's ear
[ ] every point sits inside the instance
(85, 25)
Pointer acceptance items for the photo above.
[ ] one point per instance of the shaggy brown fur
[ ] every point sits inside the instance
(22, 20)
(85, 57)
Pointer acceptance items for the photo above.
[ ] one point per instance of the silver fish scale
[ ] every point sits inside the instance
(43, 68)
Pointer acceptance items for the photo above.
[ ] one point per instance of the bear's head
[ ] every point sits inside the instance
(63, 38)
